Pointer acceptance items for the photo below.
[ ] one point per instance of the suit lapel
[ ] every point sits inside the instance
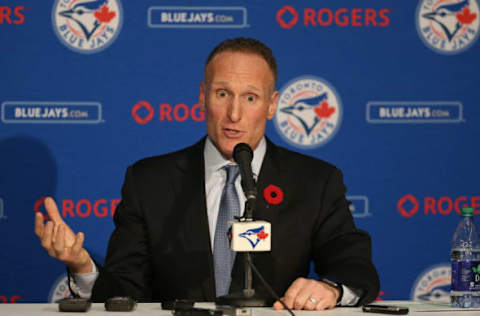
(271, 180)
(190, 192)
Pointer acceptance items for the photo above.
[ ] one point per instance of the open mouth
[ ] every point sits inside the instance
(232, 133)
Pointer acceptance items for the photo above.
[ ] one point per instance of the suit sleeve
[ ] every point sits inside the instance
(127, 270)
(341, 251)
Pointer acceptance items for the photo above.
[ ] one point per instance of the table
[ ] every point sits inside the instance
(144, 309)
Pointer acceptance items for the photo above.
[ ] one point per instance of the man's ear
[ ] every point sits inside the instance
(272, 107)
(201, 96)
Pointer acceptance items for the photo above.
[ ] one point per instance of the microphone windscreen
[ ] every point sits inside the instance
(242, 148)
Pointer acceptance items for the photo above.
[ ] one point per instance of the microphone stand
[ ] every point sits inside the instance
(243, 155)
(247, 297)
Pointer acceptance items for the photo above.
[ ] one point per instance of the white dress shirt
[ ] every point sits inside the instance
(215, 179)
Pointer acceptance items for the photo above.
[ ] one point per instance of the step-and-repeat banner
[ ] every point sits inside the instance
(90, 86)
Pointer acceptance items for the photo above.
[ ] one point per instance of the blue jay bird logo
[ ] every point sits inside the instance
(87, 25)
(308, 112)
(254, 235)
(80, 13)
(448, 25)
(302, 110)
(449, 17)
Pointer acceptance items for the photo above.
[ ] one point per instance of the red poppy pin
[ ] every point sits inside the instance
(273, 194)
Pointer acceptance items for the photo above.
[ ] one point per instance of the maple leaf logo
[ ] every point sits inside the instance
(466, 16)
(262, 235)
(104, 14)
(324, 111)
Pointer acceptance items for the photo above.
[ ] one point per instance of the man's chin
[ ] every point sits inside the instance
(226, 148)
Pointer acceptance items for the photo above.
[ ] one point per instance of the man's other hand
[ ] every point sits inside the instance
(60, 241)
(309, 295)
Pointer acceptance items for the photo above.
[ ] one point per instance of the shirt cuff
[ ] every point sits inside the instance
(82, 283)
(349, 297)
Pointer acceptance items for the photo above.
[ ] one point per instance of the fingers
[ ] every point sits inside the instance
(46, 238)
(81, 262)
(290, 297)
(308, 295)
(39, 226)
(54, 214)
(324, 295)
(78, 244)
(277, 305)
(52, 210)
(311, 303)
(55, 242)
(59, 241)
(301, 301)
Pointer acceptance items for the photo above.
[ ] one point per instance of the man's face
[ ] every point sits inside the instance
(237, 96)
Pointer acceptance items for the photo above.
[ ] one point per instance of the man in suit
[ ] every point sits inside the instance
(163, 244)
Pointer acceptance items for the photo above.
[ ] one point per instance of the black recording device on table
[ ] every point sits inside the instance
(385, 309)
(186, 308)
(114, 304)
(74, 305)
(120, 304)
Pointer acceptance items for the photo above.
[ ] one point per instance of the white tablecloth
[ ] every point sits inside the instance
(416, 308)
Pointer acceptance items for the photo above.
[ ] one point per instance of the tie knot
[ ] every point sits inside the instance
(232, 173)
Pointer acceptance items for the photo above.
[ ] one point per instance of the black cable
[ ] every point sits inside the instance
(269, 288)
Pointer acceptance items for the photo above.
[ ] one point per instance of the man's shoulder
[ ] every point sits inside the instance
(170, 160)
(299, 161)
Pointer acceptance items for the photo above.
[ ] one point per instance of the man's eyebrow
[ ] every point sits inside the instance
(254, 88)
(220, 83)
(226, 83)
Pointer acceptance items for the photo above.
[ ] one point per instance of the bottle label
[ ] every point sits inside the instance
(466, 276)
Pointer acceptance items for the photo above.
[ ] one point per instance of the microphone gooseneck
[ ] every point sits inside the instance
(243, 155)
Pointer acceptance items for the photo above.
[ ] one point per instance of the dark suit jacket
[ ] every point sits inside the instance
(160, 249)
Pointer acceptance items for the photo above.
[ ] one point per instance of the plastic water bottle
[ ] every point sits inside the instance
(465, 258)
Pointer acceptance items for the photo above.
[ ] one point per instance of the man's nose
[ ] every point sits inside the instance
(235, 110)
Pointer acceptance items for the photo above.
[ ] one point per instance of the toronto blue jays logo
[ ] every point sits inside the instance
(59, 289)
(433, 284)
(87, 26)
(308, 112)
(448, 26)
(254, 235)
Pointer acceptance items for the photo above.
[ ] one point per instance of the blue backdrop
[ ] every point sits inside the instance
(89, 87)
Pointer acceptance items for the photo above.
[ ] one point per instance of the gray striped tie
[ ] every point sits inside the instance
(222, 256)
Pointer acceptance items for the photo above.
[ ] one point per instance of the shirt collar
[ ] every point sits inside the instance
(215, 161)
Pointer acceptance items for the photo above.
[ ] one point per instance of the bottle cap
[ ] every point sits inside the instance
(467, 211)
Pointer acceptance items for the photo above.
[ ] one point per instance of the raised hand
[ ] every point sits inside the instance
(60, 241)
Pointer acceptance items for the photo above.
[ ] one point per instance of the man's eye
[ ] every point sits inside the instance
(222, 94)
(251, 98)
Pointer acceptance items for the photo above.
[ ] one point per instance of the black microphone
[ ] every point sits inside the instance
(243, 155)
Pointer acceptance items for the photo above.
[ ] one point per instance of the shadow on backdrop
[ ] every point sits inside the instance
(28, 171)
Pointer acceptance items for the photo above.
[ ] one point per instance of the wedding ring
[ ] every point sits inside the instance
(314, 301)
